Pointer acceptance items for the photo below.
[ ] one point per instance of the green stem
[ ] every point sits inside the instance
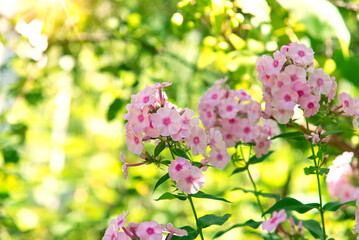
(199, 229)
(316, 165)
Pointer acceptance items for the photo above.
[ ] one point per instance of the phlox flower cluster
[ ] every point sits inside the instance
(342, 174)
(237, 117)
(150, 115)
(289, 78)
(144, 230)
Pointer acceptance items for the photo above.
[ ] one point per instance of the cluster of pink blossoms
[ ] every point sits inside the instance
(350, 107)
(289, 78)
(143, 231)
(341, 176)
(237, 117)
(151, 116)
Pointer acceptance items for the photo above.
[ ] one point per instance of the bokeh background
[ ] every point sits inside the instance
(69, 67)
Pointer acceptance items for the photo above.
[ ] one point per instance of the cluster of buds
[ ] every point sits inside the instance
(341, 175)
(275, 223)
(237, 117)
(289, 79)
(143, 231)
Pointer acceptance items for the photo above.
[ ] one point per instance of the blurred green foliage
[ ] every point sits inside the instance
(62, 99)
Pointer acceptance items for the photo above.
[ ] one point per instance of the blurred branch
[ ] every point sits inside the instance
(351, 6)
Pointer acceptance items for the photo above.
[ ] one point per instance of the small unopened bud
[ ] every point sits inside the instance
(292, 224)
(325, 140)
(300, 227)
(182, 112)
(146, 138)
(324, 159)
(157, 158)
(164, 138)
(152, 108)
(142, 156)
(320, 130)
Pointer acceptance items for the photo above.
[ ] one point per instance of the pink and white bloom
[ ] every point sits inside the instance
(124, 166)
(242, 95)
(139, 119)
(320, 82)
(271, 224)
(218, 156)
(262, 147)
(144, 98)
(310, 104)
(333, 91)
(173, 231)
(121, 219)
(247, 132)
(301, 54)
(213, 96)
(302, 89)
(207, 115)
(214, 136)
(149, 231)
(230, 136)
(133, 140)
(191, 180)
(166, 121)
(282, 116)
(282, 79)
(286, 98)
(132, 228)
(228, 108)
(111, 232)
(347, 102)
(197, 140)
(150, 130)
(296, 73)
(177, 165)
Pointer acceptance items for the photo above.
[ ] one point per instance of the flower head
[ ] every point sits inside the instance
(166, 121)
(277, 217)
(149, 231)
(191, 180)
(177, 165)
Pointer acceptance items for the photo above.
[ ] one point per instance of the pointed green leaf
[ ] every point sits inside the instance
(289, 135)
(180, 153)
(238, 170)
(163, 179)
(314, 228)
(330, 133)
(212, 219)
(266, 195)
(192, 234)
(250, 223)
(254, 159)
(167, 196)
(159, 148)
(333, 206)
(293, 205)
(209, 196)
(114, 108)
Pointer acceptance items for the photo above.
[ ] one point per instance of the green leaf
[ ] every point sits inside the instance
(330, 133)
(292, 204)
(212, 219)
(115, 106)
(333, 206)
(313, 170)
(4, 195)
(238, 170)
(163, 179)
(314, 228)
(266, 195)
(250, 223)
(289, 135)
(159, 148)
(209, 196)
(192, 234)
(167, 196)
(180, 153)
(254, 159)
(10, 155)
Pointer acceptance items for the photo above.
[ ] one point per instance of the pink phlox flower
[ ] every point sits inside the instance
(285, 48)
(230, 137)
(133, 140)
(242, 95)
(314, 137)
(218, 156)
(345, 193)
(213, 96)
(282, 116)
(277, 217)
(150, 130)
(303, 90)
(204, 163)
(221, 81)
(197, 140)
(280, 81)
(260, 68)
(132, 228)
(186, 118)
(230, 124)
(124, 167)
(301, 54)
(129, 108)
(272, 66)
(333, 91)
(254, 112)
(247, 131)
(139, 119)
(162, 85)
(111, 232)
(262, 147)
(310, 104)
(356, 226)
(174, 231)
(121, 219)
(271, 127)
(286, 98)
(296, 73)
(214, 136)
(207, 115)
(149, 231)
(166, 121)
(228, 108)
(177, 165)
(320, 82)
(356, 194)
(144, 98)
(347, 102)
(191, 180)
